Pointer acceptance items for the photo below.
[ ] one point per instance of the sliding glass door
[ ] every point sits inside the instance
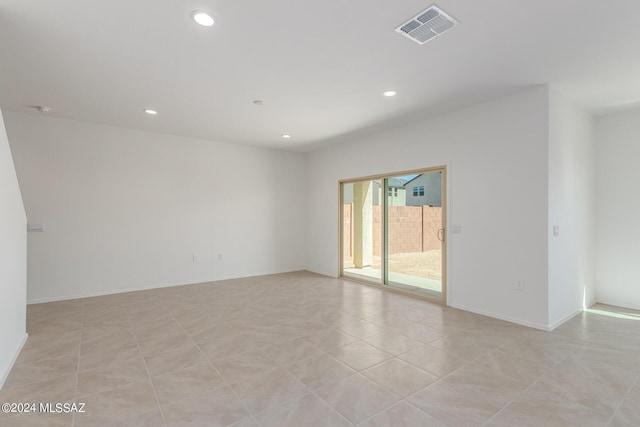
(393, 231)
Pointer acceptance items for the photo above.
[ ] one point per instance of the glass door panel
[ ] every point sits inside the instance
(362, 230)
(415, 232)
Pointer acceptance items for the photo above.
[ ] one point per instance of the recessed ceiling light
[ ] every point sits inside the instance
(286, 135)
(202, 18)
(390, 93)
(150, 112)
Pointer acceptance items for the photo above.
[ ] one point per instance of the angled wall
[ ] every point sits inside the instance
(13, 260)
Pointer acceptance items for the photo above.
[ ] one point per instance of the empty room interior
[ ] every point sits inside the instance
(284, 213)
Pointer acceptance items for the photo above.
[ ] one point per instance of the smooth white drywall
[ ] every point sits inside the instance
(13, 260)
(571, 209)
(496, 155)
(618, 209)
(127, 209)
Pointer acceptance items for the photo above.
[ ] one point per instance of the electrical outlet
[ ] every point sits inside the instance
(219, 257)
(519, 285)
(196, 258)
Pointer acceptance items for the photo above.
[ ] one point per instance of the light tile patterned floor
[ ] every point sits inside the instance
(300, 349)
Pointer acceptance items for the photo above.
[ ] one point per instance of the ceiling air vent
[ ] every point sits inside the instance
(427, 25)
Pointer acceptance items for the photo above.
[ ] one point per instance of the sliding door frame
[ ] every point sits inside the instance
(384, 255)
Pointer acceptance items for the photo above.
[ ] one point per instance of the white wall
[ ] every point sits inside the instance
(495, 151)
(571, 209)
(127, 209)
(618, 209)
(13, 260)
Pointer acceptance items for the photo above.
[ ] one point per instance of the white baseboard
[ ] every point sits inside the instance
(564, 319)
(616, 302)
(5, 375)
(501, 317)
(107, 292)
(146, 288)
(534, 325)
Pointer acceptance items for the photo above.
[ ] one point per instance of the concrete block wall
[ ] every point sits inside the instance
(411, 229)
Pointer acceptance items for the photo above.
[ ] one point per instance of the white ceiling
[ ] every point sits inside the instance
(319, 66)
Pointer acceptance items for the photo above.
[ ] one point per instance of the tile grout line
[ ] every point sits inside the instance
(155, 393)
(309, 389)
(212, 365)
(377, 383)
(75, 392)
(626, 394)
(331, 407)
(522, 392)
(518, 394)
(426, 412)
(312, 391)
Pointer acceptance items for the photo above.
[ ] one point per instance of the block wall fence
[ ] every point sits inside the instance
(411, 229)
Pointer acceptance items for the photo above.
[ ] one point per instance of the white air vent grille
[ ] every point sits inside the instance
(427, 25)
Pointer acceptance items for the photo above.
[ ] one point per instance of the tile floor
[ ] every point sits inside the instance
(300, 349)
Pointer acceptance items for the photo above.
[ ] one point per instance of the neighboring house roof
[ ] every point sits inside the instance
(393, 183)
(414, 178)
(396, 182)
